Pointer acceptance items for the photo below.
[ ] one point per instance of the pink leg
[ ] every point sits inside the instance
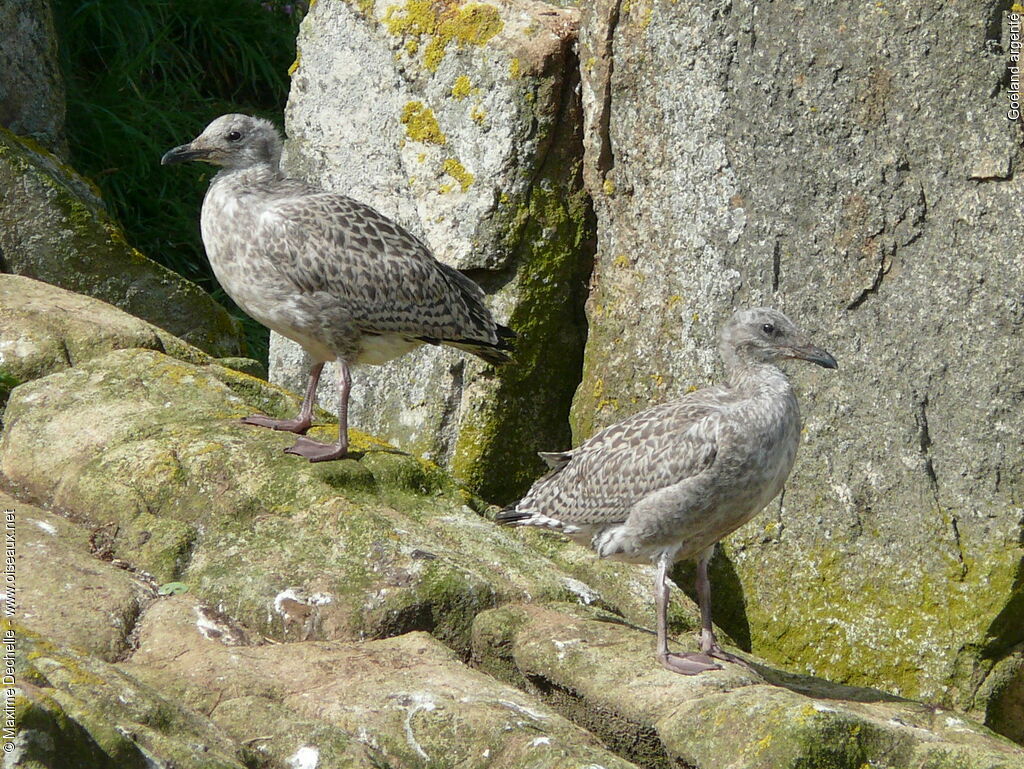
(315, 451)
(305, 418)
(708, 642)
(686, 663)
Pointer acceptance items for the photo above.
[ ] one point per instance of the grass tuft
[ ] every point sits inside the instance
(143, 76)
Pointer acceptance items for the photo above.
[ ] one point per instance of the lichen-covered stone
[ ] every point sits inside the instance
(32, 88)
(56, 229)
(66, 593)
(602, 674)
(74, 710)
(885, 222)
(45, 328)
(404, 701)
(150, 450)
(460, 121)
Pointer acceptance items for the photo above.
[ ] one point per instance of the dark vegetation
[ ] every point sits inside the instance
(146, 75)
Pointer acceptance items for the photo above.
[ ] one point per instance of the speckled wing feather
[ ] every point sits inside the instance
(384, 276)
(610, 472)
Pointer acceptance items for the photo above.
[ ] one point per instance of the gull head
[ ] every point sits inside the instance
(764, 335)
(232, 141)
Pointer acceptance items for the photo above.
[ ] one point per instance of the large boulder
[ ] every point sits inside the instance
(188, 594)
(32, 88)
(54, 227)
(854, 166)
(600, 672)
(462, 122)
(150, 452)
(75, 710)
(402, 701)
(197, 689)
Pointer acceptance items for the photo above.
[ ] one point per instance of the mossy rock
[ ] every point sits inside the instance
(893, 557)
(45, 328)
(98, 602)
(150, 449)
(403, 701)
(465, 129)
(602, 674)
(75, 710)
(55, 228)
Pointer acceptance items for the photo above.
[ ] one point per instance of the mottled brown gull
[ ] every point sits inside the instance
(326, 271)
(671, 481)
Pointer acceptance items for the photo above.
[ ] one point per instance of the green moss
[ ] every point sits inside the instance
(458, 172)
(7, 383)
(87, 253)
(421, 125)
(834, 632)
(465, 25)
(551, 234)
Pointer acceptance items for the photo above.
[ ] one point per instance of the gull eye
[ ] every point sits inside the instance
(768, 328)
(234, 136)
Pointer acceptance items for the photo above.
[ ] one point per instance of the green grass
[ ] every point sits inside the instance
(146, 75)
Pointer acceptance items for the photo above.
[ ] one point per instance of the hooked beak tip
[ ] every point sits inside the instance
(823, 359)
(180, 155)
(816, 355)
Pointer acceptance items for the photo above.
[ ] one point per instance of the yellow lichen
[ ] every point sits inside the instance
(417, 18)
(458, 172)
(478, 115)
(295, 64)
(464, 25)
(461, 87)
(514, 69)
(421, 125)
(608, 187)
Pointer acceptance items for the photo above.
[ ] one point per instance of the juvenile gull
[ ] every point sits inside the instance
(671, 481)
(326, 271)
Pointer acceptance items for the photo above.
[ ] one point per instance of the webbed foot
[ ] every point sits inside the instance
(297, 425)
(688, 663)
(315, 451)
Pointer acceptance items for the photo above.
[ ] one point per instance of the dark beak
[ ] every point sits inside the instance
(815, 355)
(181, 154)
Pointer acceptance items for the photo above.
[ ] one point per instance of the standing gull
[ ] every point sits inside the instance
(326, 271)
(671, 481)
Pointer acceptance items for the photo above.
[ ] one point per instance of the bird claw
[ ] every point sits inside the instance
(315, 451)
(688, 663)
(719, 653)
(288, 425)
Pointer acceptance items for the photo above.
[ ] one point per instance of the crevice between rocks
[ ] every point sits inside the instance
(633, 741)
(924, 446)
(994, 26)
(883, 269)
(776, 264)
(606, 159)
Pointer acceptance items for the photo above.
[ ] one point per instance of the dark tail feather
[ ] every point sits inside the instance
(495, 353)
(509, 516)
